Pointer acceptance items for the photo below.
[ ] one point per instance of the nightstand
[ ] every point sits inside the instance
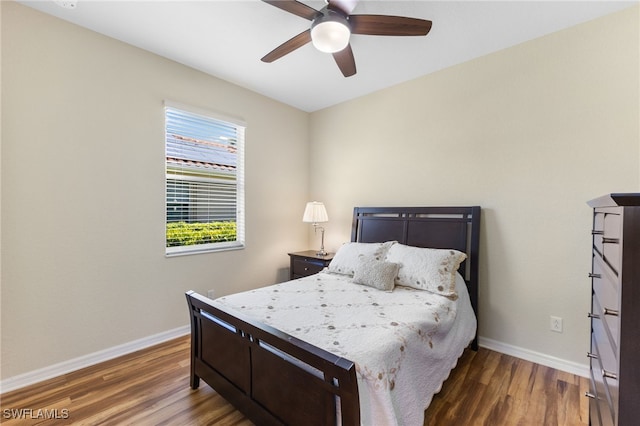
(304, 263)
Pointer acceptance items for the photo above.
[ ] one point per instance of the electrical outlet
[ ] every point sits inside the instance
(556, 324)
(211, 294)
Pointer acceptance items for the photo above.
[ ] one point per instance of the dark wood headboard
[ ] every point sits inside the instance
(434, 227)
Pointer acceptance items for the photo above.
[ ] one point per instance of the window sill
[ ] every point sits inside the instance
(191, 250)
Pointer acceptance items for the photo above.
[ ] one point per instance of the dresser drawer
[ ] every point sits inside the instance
(594, 413)
(609, 323)
(606, 297)
(606, 275)
(606, 355)
(609, 221)
(606, 236)
(602, 397)
(605, 288)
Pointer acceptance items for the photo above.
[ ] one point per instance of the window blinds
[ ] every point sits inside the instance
(204, 181)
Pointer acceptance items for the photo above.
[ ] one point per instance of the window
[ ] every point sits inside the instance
(204, 181)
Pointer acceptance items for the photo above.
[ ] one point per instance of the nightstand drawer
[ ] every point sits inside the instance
(306, 267)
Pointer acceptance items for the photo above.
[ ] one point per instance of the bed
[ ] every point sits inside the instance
(357, 354)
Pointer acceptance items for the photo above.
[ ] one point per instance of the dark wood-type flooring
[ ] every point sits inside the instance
(151, 387)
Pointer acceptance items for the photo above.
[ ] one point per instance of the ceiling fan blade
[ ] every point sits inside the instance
(346, 61)
(388, 25)
(345, 6)
(288, 46)
(295, 7)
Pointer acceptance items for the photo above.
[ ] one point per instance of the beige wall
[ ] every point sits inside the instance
(83, 192)
(529, 133)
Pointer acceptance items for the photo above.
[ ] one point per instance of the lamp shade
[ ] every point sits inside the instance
(315, 213)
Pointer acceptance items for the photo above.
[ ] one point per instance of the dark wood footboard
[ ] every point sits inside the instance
(270, 376)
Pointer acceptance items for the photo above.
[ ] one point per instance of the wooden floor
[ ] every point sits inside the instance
(151, 387)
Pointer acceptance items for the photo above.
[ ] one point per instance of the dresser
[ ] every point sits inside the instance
(304, 263)
(614, 355)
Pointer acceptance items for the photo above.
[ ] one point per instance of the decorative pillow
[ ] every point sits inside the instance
(428, 269)
(376, 273)
(348, 255)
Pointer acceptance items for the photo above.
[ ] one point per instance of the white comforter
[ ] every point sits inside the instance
(404, 343)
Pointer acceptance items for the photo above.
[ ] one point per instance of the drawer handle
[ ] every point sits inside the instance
(592, 275)
(589, 395)
(306, 268)
(590, 315)
(606, 240)
(611, 312)
(590, 355)
(609, 374)
(594, 232)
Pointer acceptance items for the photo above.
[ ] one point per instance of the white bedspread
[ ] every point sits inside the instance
(404, 343)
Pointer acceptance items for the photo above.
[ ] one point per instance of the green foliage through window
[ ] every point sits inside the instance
(188, 234)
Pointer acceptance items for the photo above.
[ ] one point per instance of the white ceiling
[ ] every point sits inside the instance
(227, 39)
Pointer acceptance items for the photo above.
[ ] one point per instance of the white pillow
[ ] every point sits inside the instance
(376, 273)
(428, 269)
(348, 256)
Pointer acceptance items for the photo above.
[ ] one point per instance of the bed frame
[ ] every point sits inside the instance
(274, 378)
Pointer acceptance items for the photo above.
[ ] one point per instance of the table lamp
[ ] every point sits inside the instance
(316, 213)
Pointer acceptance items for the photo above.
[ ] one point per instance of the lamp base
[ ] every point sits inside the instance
(320, 252)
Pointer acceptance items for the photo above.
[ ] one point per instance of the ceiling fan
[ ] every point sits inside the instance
(332, 26)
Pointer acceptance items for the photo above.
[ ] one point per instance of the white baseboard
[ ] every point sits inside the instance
(26, 379)
(537, 357)
(64, 367)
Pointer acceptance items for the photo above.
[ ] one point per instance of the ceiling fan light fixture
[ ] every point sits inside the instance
(330, 33)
